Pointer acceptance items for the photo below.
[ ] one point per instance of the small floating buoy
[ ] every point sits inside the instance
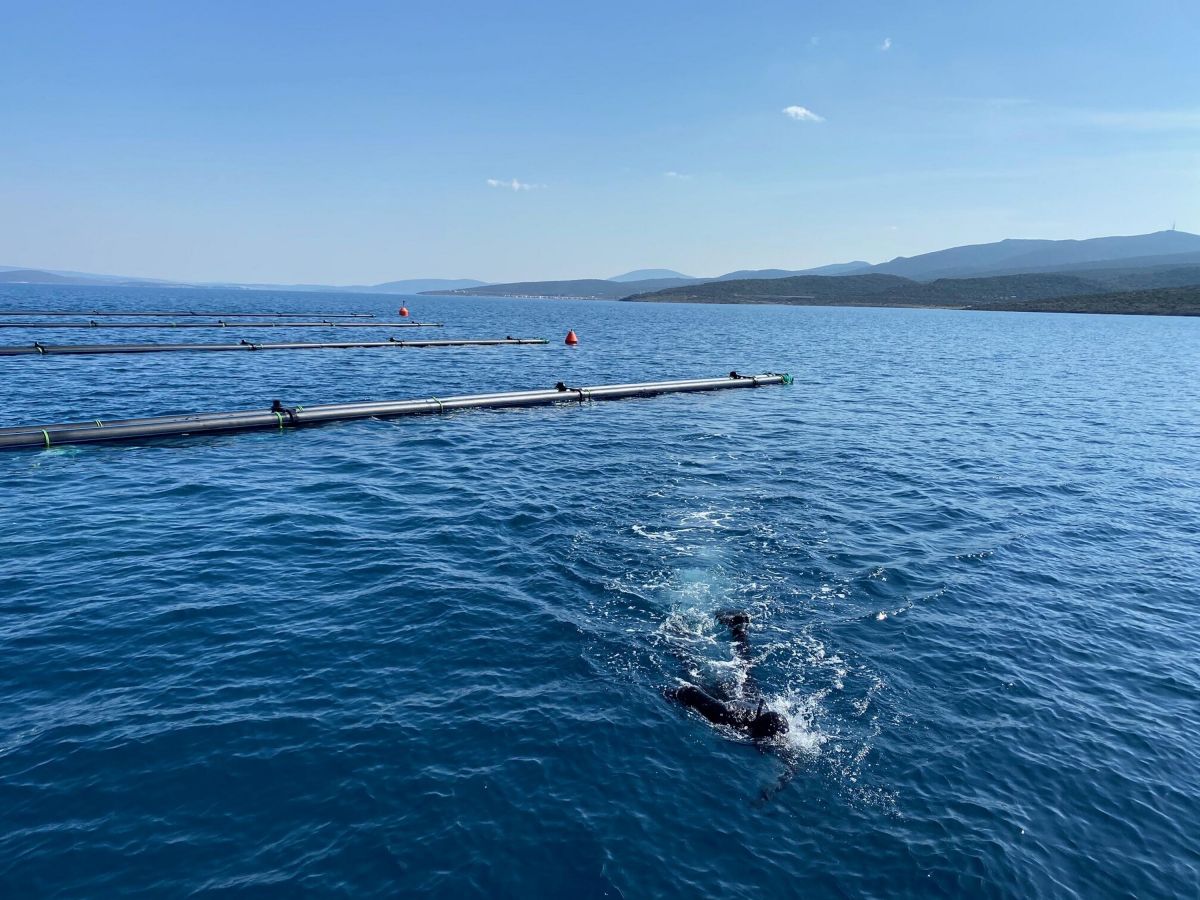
(572, 339)
(404, 310)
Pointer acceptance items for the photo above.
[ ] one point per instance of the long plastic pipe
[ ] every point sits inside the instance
(220, 324)
(366, 409)
(39, 349)
(182, 313)
(44, 436)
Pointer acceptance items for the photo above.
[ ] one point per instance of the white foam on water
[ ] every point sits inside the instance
(802, 711)
(643, 531)
(708, 518)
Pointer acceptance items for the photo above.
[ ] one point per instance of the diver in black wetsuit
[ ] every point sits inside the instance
(740, 714)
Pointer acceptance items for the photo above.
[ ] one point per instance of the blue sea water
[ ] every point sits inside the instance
(426, 655)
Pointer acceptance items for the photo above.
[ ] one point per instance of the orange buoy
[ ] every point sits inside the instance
(404, 310)
(572, 340)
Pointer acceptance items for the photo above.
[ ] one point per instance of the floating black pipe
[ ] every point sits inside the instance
(40, 349)
(280, 416)
(183, 313)
(379, 407)
(220, 324)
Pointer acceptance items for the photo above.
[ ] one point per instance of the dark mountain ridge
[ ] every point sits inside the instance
(1038, 255)
(1020, 291)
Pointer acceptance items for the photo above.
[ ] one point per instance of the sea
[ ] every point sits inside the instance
(428, 656)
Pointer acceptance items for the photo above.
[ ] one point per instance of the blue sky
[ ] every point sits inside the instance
(359, 142)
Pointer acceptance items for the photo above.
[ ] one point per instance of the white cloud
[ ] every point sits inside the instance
(678, 175)
(513, 185)
(802, 114)
(886, 45)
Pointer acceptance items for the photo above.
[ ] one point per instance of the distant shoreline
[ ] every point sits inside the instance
(1033, 306)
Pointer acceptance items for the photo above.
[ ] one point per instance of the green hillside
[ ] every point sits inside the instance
(1173, 291)
(1182, 301)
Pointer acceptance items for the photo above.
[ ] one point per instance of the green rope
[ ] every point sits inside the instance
(46, 435)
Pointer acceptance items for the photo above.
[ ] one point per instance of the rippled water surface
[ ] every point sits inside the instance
(385, 657)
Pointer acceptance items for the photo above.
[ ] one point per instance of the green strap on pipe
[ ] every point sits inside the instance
(46, 435)
(279, 416)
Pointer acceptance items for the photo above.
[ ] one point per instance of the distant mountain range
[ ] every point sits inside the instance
(1038, 256)
(849, 268)
(407, 286)
(578, 288)
(13, 275)
(633, 283)
(649, 275)
(1099, 264)
(1160, 248)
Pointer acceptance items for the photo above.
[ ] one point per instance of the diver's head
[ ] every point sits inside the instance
(768, 725)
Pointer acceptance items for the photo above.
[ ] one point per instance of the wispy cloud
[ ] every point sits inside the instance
(886, 45)
(679, 176)
(1031, 114)
(513, 185)
(1143, 119)
(802, 114)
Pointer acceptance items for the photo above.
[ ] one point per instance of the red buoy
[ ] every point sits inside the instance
(404, 310)
(572, 340)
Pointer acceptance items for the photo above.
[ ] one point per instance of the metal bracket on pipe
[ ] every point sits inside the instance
(290, 411)
(582, 393)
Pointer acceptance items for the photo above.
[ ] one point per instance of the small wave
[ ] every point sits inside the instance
(709, 518)
(643, 531)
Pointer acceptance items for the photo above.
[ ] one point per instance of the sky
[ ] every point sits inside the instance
(360, 142)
